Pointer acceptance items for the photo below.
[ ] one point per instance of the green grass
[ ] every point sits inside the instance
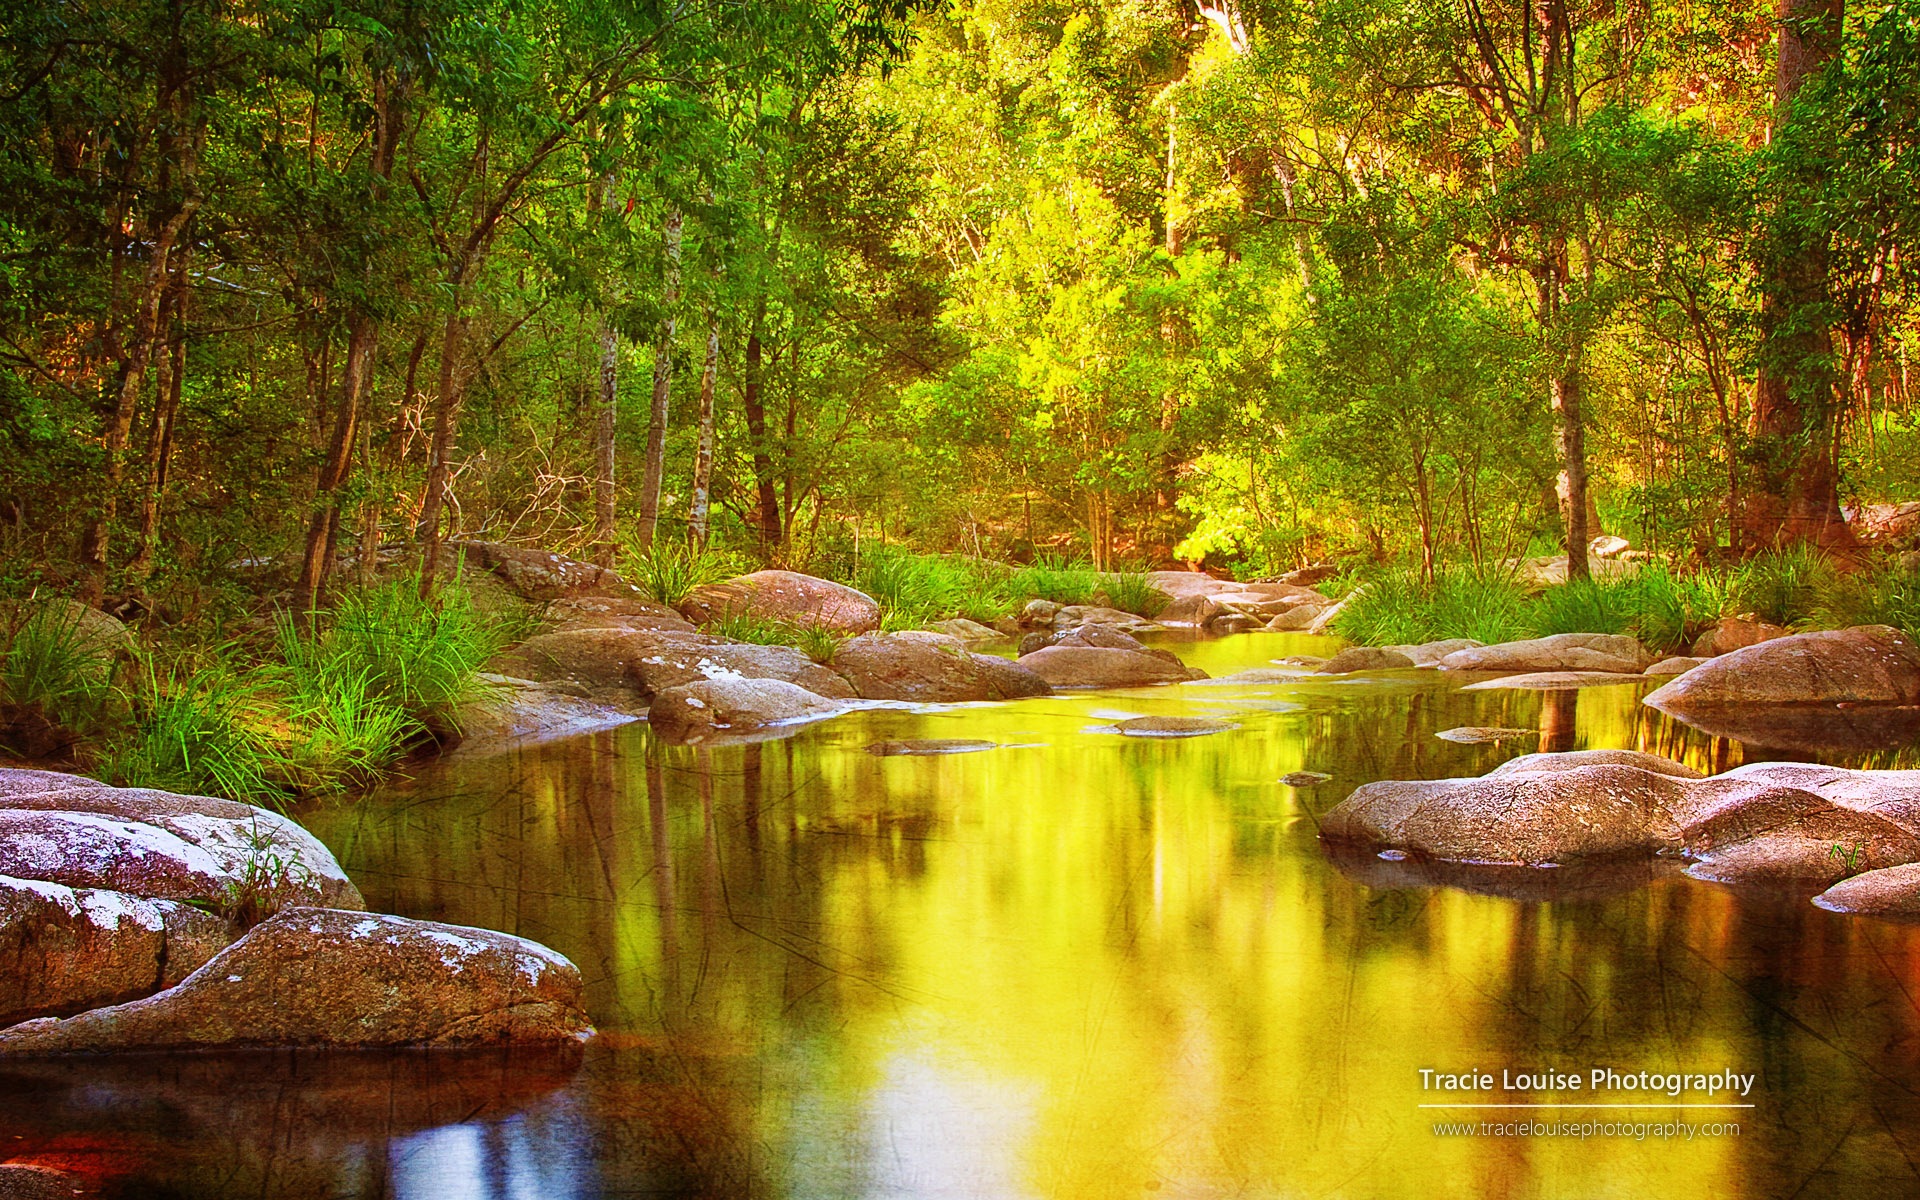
(915, 590)
(669, 572)
(190, 732)
(744, 627)
(1782, 586)
(1398, 608)
(1132, 593)
(52, 666)
(1663, 610)
(420, 656)
(1887, 595)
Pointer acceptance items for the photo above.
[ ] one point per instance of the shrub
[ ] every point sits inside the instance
(743, 627)
(1053, 578)
(422, 656)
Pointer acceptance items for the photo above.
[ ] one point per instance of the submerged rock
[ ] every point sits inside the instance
(1172, 727)
(1553, 681)
(326, 977)
(1868, 664)
(1765, 823)
(1365, 658)
(1480, 735)
(930, 746)
(1888, 892)
(787, 596)
(733, 707)
(930, 668)
(1560, 652)
(1096, 667)
(1304, 779)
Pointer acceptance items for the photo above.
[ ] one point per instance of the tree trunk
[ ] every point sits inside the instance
(703, 454)
(1792, 487)
(160, 439)
(655, 466)
(1565, 387)
(756, 414)
(446, 415)
(606, 413)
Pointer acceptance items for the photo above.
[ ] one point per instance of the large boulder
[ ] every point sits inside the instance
(539, 575)
(328, 977)
(930, 668)
(1734, 633)
(1075, 615)
(1430, 654)
(1775, 823)
(1365, 658)
(1888, 892)
(734, 708)
(606, 660)
(1524, 812)
(1559, 652)
(1193, 609)
(786, 596)
(1300, 617)
(1868, 664)
(160, 845)
(1098, 667)
(615, 612)
(64, 950)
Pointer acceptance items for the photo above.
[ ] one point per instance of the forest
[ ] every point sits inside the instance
(1130, 282)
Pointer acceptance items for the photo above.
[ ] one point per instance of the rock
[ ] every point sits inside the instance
(1039, 613)
(1888, 892)
(1309, 575)
(1323, 622)
(1234, 622)
(1304, 779)
(1429, 654)
(1278, 592)
(1037, 640)
(327, 977)
(1075, 615)
(538, 575)
(1365, 658)
(1190, 610)
(1095, 667)
(1172, 727)
(158, 845)
(101, 632)
(734, 707)
(1552, 681)
(15, 782)
(930, 746)
(1560, 652)
(1608, 546)
(1735, 633)
(64, 950)
(1480, 735)
(965, 630)
(649, 663)
(1306, 662)
(1589, 880)
(1106, 637)
(1885, 522)
(1774, 823)
(1181, 584)
(1516, 814)
(32, 1181)
(1679, 664)
(930, 669)
(520, 711)
(1296, 619)
(787, 596)
(616, 612)
(1254, 677)
(1869, 664)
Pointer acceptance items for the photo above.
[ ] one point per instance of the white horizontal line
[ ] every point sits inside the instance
(1652, 1104)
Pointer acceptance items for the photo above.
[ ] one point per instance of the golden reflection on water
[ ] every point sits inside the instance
(1081, 965)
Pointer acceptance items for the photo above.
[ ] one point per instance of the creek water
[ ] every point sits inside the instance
(1074, 965)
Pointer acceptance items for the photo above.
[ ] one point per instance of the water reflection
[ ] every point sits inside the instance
(1083, 965)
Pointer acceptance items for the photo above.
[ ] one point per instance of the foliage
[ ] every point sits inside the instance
(669, 572)
(1663, 610)
(387, 643)
(1782, 586)
(1399, 607)
(194, 731)
(1886, 595)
